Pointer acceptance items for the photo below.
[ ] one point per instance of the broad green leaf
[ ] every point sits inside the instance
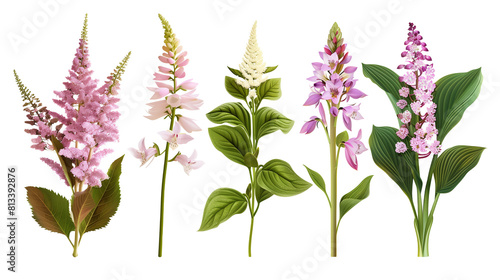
(269, 89)
(233, 142)
(453, 95)
(270, 69)
(317, 179)
(106, 199)
(221, 205)
(261, 194)
(250, 160)
(268, 120)
(236, 72)
(235, 89)
(66, 163)
(278, 177)
(382, 145)
(453, 164)
(350, 199)
(341, 137)
(81, 205)
(50, 210)
(232, 113)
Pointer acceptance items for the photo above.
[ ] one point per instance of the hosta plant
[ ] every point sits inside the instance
(77, 137)
(242, 126)
(426, 113)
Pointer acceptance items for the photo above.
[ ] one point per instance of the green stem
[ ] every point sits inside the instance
(333, 200)
(428, 189)
(250, 238)
(75, 244)
(163, 181)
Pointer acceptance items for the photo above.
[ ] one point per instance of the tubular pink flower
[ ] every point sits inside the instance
(189, 163)
(354, 147)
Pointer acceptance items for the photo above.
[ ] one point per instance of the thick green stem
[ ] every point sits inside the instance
(333, 200)
(163, 181)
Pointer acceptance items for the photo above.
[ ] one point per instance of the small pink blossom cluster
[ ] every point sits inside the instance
(419, 109)
(169, 99)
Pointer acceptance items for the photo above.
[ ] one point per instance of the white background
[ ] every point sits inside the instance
(376, 239)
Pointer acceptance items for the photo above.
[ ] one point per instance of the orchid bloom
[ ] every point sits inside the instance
(174, 137)
(188, 124)
(351, 112)
(143, 154)
(354, 147)
(189, 163)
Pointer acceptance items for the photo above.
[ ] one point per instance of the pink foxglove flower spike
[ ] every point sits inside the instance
(426, 112)
(334, 86)
(171, 95)
(78, 137)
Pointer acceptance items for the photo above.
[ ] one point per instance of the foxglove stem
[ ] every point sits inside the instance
(333, 200)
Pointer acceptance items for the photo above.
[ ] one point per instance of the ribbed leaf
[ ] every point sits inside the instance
(221, 205)
(82, 204)
(235, 89)
(453, 95)
(106, 199)
(233, 142)
(50, 210)
(268, 120)
(261, 194)
(270, 89)
(453, 164)
(236, 72)
(278, 177)
(232, 113)
(350, 199)
(382, 145)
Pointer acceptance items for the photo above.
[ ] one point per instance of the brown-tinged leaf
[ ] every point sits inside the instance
(82, 204)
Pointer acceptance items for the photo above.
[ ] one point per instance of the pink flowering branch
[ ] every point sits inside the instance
(334, 86)
(170, 95)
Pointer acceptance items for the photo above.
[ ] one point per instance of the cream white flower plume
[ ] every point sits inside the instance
(253, 66)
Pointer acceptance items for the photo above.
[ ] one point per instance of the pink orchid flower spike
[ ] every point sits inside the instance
(189, 163)
(143, 154)
(174, 137)
(354, 147)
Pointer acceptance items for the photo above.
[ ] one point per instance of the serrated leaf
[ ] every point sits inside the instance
(50, 210)
(236, 72)
(341, 137)
(66, 163)
(317, 179)
(278, 177)
(233, 142)
(221, 205)
(453, 164)
(270, 69)
(250, 160)
(268, 120)
(269, 89)
(382, 145)
(106, 199)
(234, 89)
(453, 95)
(232, 113)
(81, 205)
(350, 199)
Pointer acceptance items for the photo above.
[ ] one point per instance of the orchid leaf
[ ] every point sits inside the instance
(235, 89)
(50, 210)
(106, 199)
(269, 89)
(268, 120)
(233, 142)
(236, 72)
(221, 205)
(382, 145)
(453, 164)
(350, 199)
(232, 113)
(278, 177)
(454, 93)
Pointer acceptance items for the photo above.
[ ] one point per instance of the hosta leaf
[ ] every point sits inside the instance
(106, 199)
(232, 113)
(235, 89)
(382, 145)
(453, 164)
(453, 95)
(50, 210)
(278, 177)
(350, 199)
(233, 142)
(268, 120)
(221, 205)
